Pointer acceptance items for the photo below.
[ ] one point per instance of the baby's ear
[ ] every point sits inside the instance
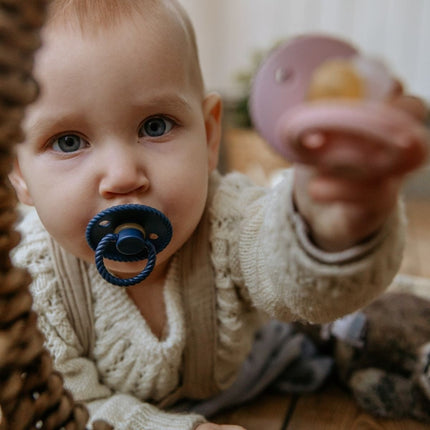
(18, 182)
(212, 110)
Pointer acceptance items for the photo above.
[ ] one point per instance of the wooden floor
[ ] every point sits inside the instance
(333, 408)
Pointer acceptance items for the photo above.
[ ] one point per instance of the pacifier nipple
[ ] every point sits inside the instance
(357, 77)
(131, 239)
(336, 79)
(128, 233)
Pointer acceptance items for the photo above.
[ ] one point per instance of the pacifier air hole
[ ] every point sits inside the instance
(283, 74)
(128, 233)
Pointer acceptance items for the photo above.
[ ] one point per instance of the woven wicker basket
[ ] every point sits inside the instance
(32, 395)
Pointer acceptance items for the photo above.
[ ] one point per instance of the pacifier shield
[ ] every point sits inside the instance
(153, 225)
(282, 81)
(128, 233)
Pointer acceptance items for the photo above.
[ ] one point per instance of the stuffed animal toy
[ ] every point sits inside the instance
(389, 374)
(382, 355)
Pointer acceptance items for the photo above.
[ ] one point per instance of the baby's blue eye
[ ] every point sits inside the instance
(68, 143)
(156, 126)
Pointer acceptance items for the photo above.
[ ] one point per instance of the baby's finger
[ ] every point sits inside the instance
(347, 155)
(413, 105)
(213, 426)
(379, 194)
(353, 156)
(230, 427)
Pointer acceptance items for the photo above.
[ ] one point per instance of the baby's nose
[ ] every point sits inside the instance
(124, 173)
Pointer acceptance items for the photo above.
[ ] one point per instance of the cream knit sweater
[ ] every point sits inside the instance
(263, 264)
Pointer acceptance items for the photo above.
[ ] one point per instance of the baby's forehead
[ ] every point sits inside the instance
(94, 18)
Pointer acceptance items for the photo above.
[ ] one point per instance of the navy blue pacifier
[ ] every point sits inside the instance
(128, 233)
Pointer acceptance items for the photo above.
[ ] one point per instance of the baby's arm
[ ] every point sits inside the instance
(81, 377)
(280, 268)
(120, 410)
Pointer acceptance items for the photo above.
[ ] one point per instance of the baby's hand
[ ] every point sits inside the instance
(345, 206)
(211, 426)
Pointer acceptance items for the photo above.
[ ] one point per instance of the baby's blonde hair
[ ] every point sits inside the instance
(92, 16)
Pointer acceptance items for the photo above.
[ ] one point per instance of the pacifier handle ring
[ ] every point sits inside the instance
(107, 276)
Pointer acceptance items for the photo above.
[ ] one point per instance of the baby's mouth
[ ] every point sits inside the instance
(128, 233)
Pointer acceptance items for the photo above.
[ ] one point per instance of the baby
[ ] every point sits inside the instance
(123, 118)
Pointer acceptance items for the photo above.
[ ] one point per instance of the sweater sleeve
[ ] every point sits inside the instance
(288, 281)
(80, 374)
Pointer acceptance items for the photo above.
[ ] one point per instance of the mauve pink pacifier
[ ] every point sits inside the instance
(282, 113)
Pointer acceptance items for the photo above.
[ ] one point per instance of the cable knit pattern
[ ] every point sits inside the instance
(125, 345)
(235, 313)
(261, 265)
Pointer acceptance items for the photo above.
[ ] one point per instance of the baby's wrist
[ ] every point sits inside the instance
(340, 250)
(334, 244)
(338, 243)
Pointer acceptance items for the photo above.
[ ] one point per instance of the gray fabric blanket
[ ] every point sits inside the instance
(281, 359)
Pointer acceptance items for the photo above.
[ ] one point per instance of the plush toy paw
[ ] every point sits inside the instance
(389, 395)
(389, 375)
(382, 354)
(423, 371)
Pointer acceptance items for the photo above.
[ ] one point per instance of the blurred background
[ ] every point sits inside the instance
(234, 35)
(231, 32)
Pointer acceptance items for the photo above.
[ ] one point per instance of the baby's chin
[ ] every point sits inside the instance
(126, 270)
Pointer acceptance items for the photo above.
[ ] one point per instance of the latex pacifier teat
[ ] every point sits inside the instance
(128, 233)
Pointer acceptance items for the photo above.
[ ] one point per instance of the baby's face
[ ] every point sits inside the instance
(119, 121)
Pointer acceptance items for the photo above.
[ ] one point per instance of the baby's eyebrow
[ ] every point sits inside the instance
(174, 102)
(41, 125)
